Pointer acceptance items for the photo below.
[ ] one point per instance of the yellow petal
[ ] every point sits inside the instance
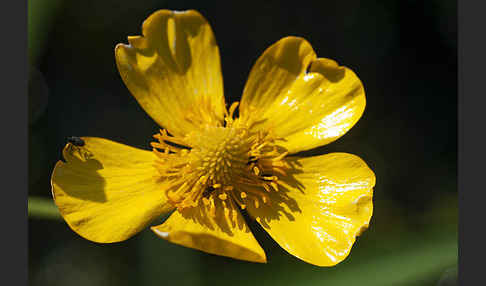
(174, 70)
(226, 234)
(308, 101)
(107, 191)
(321, 208)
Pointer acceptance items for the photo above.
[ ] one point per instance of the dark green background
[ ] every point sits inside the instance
(405, 53)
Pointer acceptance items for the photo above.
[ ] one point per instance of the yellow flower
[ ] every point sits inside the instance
(209, 164)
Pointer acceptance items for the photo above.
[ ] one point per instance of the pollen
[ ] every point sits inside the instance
(220, 165)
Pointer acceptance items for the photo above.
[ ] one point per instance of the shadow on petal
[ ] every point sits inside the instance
(79, 176)
(281, 203)
(224, 219)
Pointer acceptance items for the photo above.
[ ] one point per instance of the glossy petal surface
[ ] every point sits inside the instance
(319, 211)
(107, 191)
(226, 234)
(308, 101)
(174, 70)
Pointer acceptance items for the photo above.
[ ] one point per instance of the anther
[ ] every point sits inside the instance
(269, 178)
(203, 179)
(223, 196)
(256, 170)
(205, 201)
(251, 160)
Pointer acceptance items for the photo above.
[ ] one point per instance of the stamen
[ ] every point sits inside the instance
(226, 209)
(234, 215)
(279, 158)
(274, 185)
(212, 208)
(233, 108)
(266, 187)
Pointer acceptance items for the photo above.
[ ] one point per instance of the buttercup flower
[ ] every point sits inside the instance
(207, 164)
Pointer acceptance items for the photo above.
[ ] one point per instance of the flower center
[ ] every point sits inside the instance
(219, 166)
(220, 153)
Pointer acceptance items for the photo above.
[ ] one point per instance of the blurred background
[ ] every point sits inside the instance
(405, 53)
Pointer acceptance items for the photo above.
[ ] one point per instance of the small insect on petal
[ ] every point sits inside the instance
(77, 145)
(76, 141)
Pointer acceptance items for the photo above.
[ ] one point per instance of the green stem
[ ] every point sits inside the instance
(43, 208)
